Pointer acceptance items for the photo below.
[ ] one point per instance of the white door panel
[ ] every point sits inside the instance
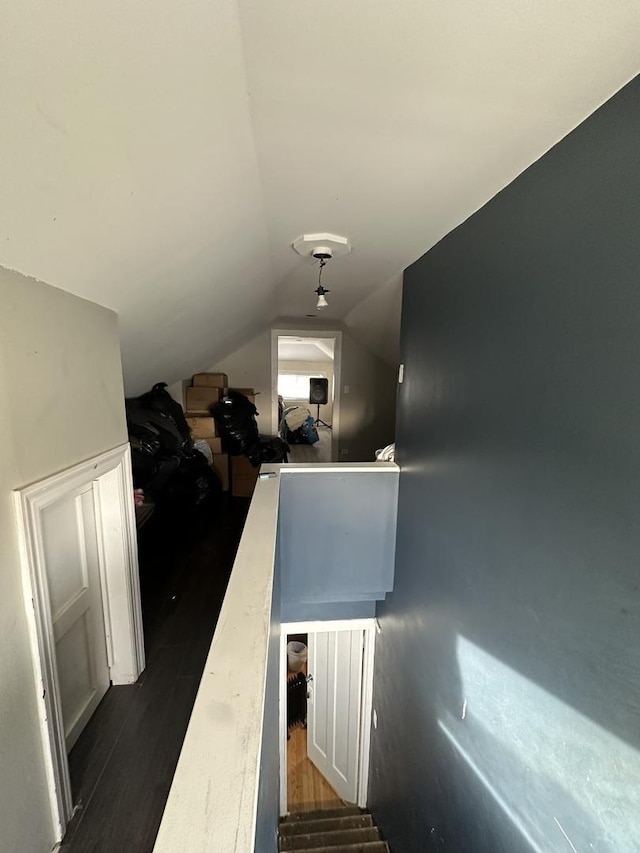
(69, 540)
(333, 714)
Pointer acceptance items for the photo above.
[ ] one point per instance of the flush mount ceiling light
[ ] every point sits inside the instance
(322, 247)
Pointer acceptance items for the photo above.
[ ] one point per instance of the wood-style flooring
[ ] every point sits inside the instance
(123, 763)
(318, 452)
(307, 789)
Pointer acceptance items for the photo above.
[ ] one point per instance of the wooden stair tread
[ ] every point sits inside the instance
(364, 847)
(321, 814)
(329, 824)
(338, 838)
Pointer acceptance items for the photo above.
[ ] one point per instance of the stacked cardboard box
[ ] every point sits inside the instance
(248, 392)
(206, 390)
(243, 477)
(243, 474)
(200, 400)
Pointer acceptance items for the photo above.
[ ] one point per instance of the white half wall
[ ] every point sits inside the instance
(62, 402)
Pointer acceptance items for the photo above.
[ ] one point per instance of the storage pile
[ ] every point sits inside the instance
(166, 464)
(206, 390)
(226, 419)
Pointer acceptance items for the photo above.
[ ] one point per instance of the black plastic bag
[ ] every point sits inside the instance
(270, 449)
(156, 412)
(235, 417)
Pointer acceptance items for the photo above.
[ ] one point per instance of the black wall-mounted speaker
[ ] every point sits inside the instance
(318, 391)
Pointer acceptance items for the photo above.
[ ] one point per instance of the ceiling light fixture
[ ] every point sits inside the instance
(322, 247)
(322, 254)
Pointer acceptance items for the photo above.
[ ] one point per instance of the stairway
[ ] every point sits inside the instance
(345, 830)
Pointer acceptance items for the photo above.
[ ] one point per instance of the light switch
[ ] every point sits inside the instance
(346, 389)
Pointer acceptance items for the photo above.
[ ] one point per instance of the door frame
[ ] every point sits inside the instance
(337, 378)
(368, 626)
(109, 476)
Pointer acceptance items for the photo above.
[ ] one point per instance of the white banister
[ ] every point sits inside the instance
(213, 798)
(213, 802)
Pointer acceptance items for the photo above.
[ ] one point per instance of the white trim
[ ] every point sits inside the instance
(39, 621)
(366, 711)
(212, 804)
(368, 626)
(337, 468)
(337, 377)
(115, 521)
(282, 707)
(315, 625)
(117, 537)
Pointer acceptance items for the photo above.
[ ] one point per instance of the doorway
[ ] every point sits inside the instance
(324, 748)
(297, 358)
(307, 788)
(82, 600)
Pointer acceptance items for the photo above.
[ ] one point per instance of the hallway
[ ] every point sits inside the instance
(123, 763)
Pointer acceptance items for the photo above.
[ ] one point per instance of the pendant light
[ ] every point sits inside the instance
(322, 247)
(323, 256)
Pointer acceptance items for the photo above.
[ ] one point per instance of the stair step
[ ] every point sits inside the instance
(365, 847)
(340, 838)
(321, 814)
(329, 824)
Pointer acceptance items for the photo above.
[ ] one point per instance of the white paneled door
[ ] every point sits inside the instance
(70, 544)
(334, 707)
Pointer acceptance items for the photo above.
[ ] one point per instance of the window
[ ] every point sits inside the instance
(295, 386)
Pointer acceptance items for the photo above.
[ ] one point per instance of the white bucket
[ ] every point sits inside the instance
(296, 655)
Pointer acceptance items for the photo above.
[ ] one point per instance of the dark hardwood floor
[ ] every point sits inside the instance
(123, 763)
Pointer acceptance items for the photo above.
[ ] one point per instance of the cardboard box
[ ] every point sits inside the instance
(199, 399)
(221, 467)
(215, 444)
(243, 477)
(202, 427)
(210, 380)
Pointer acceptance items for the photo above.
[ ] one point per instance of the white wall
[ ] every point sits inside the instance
(250, 367)
(128, 137)
(323, 367)
(62, 402)
(367, 412)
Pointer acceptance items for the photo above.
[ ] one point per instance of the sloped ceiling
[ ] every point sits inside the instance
(160, 158)
(292, 348)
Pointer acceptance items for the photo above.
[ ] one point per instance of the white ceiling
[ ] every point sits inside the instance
(291, 348)
(160, 158)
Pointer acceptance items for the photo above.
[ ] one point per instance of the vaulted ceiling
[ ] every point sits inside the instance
(160, 158)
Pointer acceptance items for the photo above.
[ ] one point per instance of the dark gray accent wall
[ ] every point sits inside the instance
(508, 669)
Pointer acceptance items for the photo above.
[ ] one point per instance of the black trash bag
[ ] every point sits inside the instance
(153, 416)
(268, 449)
(154, 474)
(144, 438)
(164, 459)
(235, 417)
(159, 400)
(193, 483)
